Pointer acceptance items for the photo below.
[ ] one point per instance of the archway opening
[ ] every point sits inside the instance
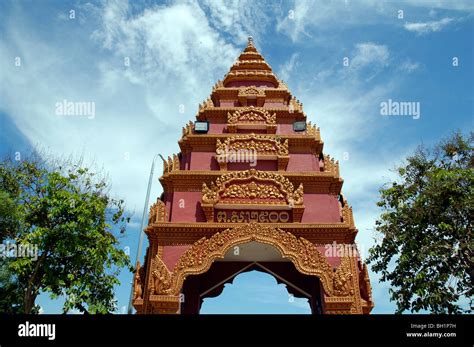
(265, 282)
(255, 292)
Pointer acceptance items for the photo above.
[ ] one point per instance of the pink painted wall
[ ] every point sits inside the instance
(273, 104)
(227, 103)
(191, 212)
(207, 161)
(203, 161)
(303, 162)
(334, 261)
(171, 255)
(285, 129)
(251, 131)
(321, 208)
(216, 128)
(264, 165)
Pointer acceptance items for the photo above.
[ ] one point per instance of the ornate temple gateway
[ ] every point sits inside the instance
(251, 190)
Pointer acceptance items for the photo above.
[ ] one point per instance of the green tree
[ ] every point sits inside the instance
(66, 212)
(426, 245)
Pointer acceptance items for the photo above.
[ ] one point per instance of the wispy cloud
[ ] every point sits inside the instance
(288, 68)
(423, 28)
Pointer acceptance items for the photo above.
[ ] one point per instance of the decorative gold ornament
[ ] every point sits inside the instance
(199, 258)
(313, 130)
(252, 187)
(263, 144)
(162, 277)
(342, 278)
(188, 129)
(251, 118)
(331, 166)
(157, 212)
(171, 165)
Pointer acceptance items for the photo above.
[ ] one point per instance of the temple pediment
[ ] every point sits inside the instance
(250, 148)
(252, 190)
(251, 118)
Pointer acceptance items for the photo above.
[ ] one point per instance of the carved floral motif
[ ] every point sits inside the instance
(252, 191)
(225, 186)
(251, 114)
(263, 144)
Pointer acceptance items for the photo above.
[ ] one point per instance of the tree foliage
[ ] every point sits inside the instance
(66, 211)
(426, 246)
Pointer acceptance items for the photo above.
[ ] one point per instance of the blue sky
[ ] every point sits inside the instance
(178, 49)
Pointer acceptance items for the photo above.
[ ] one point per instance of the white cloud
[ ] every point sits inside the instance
(300, 17)
(423, 28)
(458, 5)
(409, 66)
(369, 53)
(239, 18)
(175, 58)
(287, 69)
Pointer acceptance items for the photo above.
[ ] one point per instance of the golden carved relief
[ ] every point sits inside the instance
(331, 166)
(171, 165)
(207, 104)
(188, 129)
(313, 130)
(251, 114)
(157, 212)
(252, 191)
(262, 144)
(162, 277)
(139, 280)
(251, 91)
(222, 187)
(295, 105)
(342, 278)
(347, 215)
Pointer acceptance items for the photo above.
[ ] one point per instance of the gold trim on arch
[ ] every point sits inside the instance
(200, 256)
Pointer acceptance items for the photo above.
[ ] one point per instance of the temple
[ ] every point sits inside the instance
(251, 189)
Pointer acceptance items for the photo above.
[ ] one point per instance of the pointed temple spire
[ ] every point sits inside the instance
(251, 174)
(250, 66)
(250, 47)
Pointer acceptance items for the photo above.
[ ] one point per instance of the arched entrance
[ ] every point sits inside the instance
(243, 258)
(293, 260)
